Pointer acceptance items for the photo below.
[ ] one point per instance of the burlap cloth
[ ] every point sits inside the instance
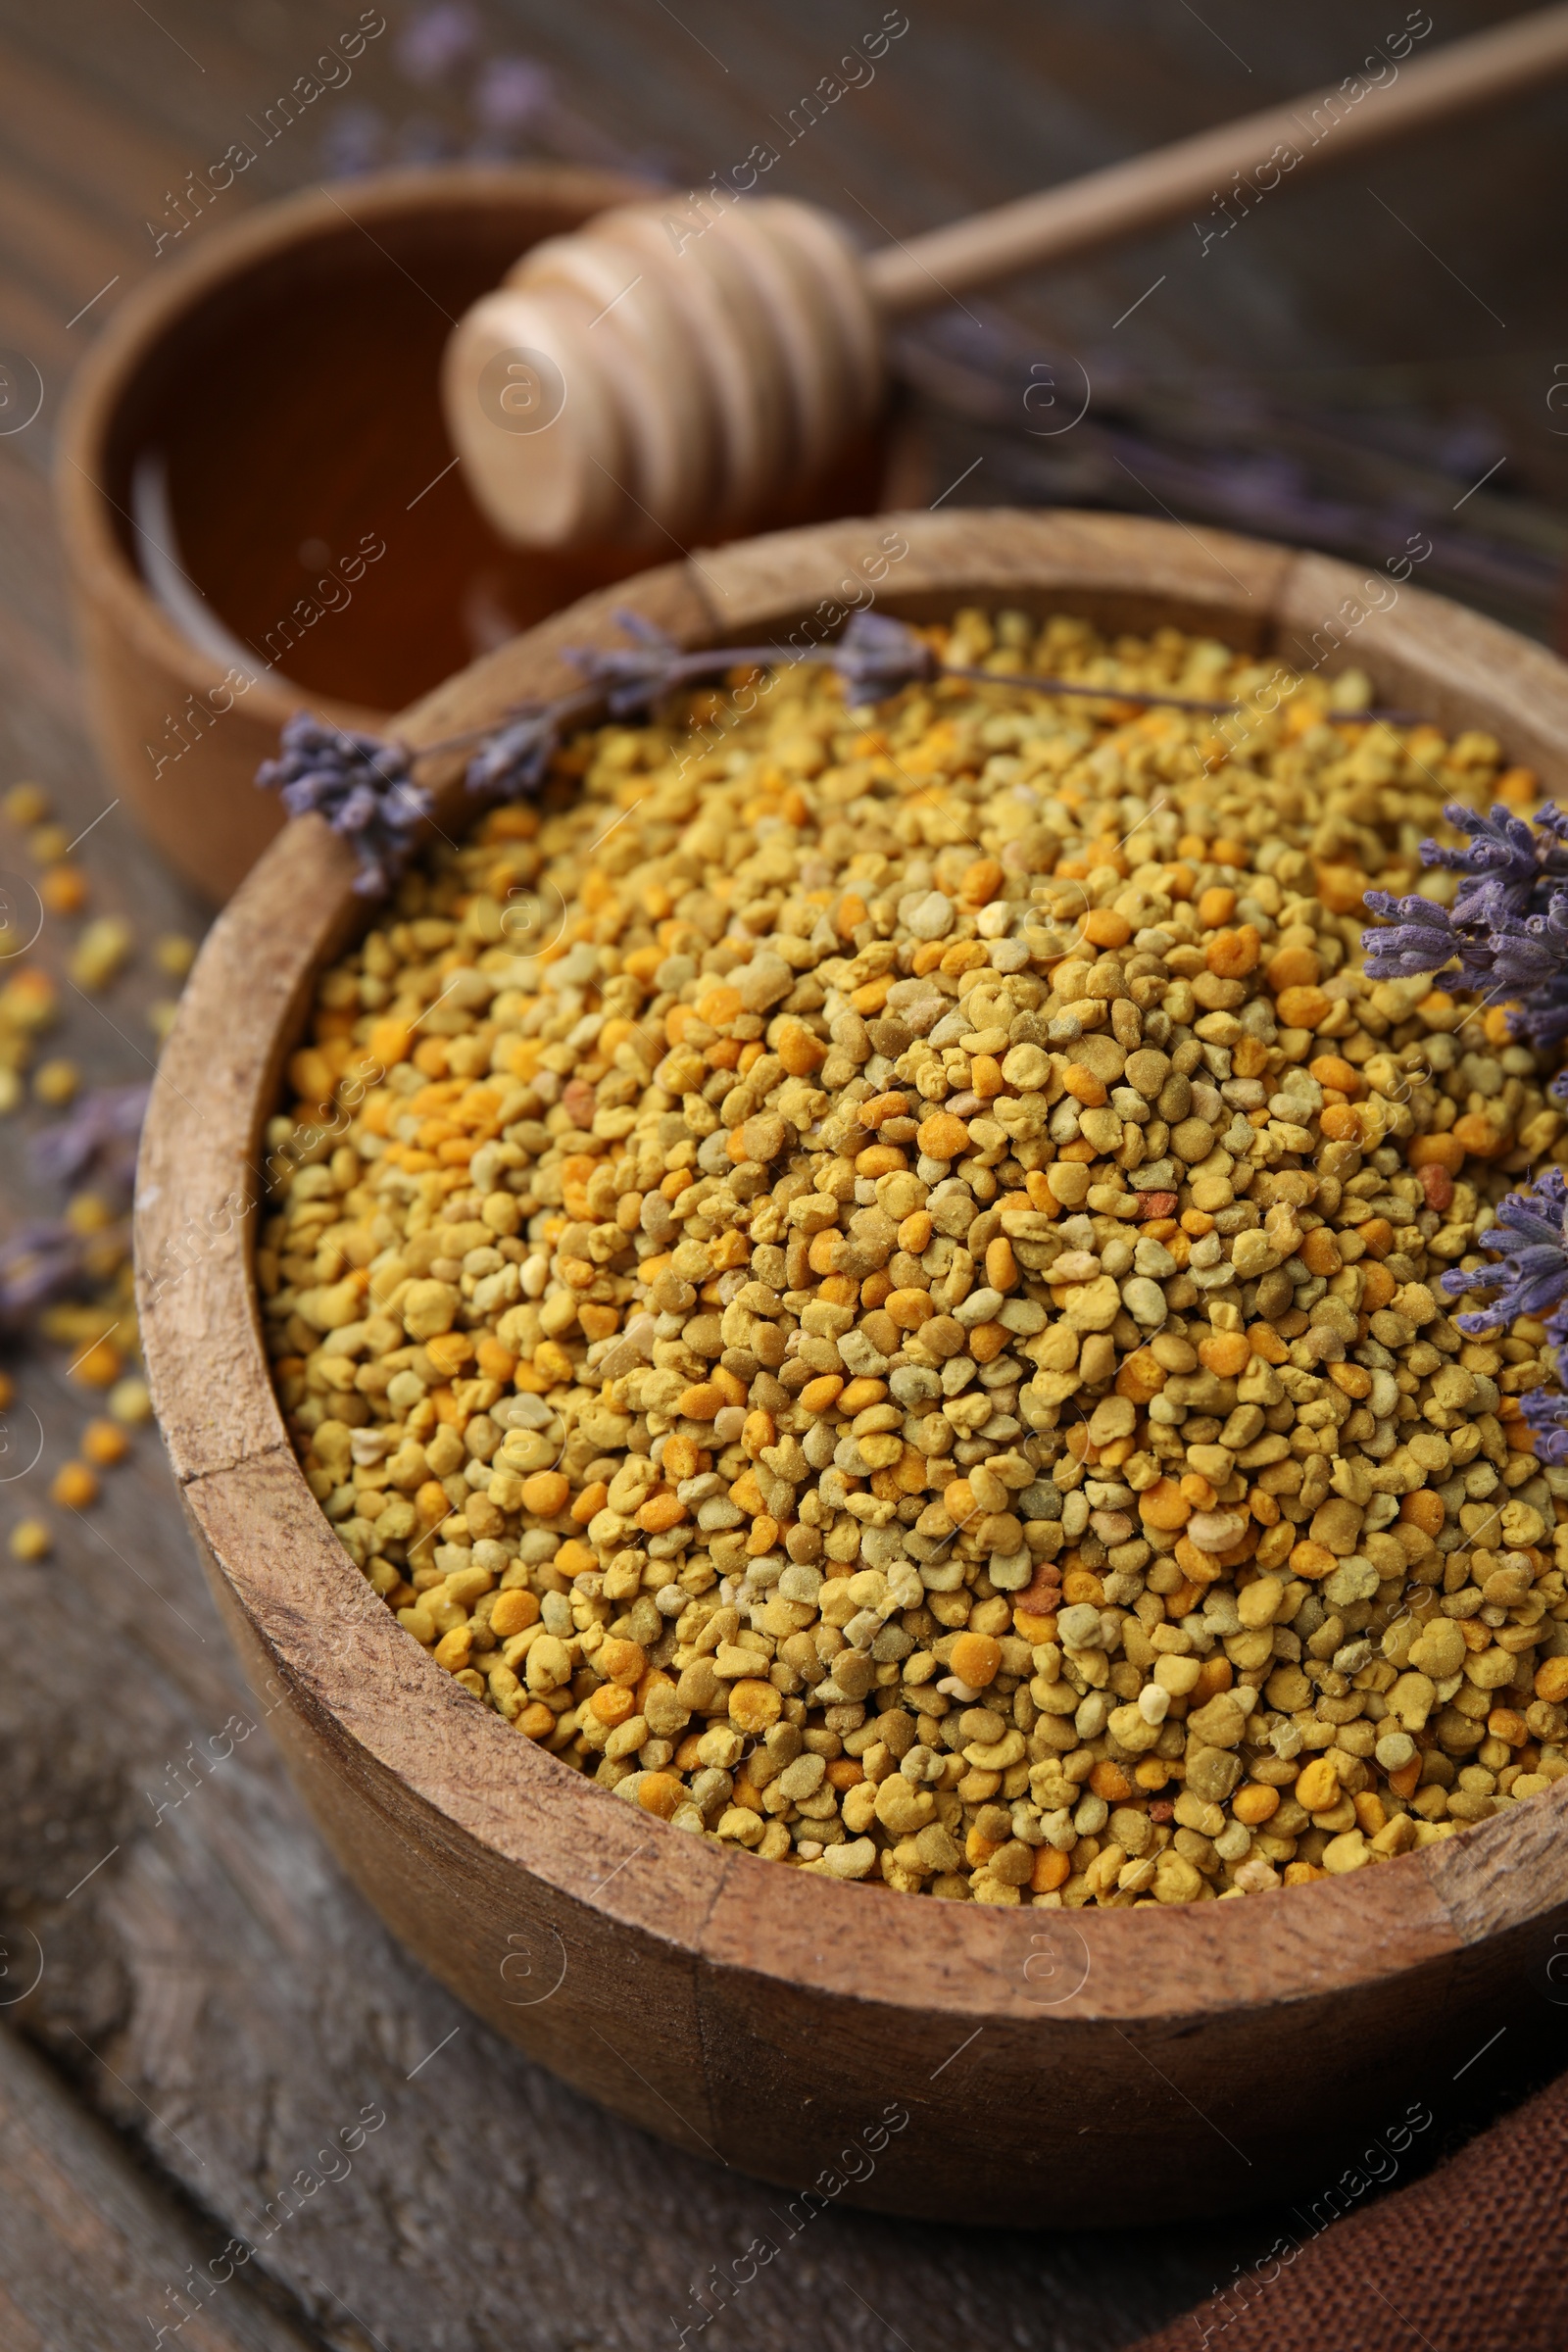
(1472, 2258)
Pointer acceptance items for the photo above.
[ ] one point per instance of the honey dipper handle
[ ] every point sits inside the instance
(1328, 126)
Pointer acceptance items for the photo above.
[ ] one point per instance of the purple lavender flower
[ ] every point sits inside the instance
(1531, 1248)
(1422, 941)
(635, 675)
(1530, 963)
(435, 39)
(877, 657)
(513, 94)
(1504, 864)
(43, 1260)
(517, 760)
(1545, 1410)
(1510, 924)
(361, 786)
(100, 1130)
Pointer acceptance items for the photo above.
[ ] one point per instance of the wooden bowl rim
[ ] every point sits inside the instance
(347, 1661)
(157, 306)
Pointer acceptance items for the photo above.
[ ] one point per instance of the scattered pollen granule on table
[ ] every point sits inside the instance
(872, 1281)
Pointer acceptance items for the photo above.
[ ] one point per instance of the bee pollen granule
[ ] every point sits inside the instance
(905, 1333)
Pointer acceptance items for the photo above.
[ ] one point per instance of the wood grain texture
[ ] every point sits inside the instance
(648, 369)
(1110, 569)
(88, 2256)
(1427, 655)
(1063, 223)
(220, 1992)
(457, 1829)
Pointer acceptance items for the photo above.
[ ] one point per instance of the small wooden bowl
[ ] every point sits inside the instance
(1049, 2066)
(287, 371)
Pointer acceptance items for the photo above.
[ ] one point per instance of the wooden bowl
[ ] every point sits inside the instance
(287, 373)
(1049, 2066)
(286, 370)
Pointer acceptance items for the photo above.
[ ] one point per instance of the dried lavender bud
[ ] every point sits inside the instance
(361, 786)
(636, 675)
(877, 657)
(100, 1131)
(1505, 864)
(513, 94)
(436, 40)
(517, 759)
(1531, 1275)
(42, 1261)
(1509, 923)
(1530, 961)
(1545, 1412)
(1423, 940)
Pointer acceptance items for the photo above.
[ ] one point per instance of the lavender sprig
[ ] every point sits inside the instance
(633, 676)
(363, 787)
(436, 40)
(47, 1259)
(1530, 963)
(100, 1131)
(42, 1261)
(517, 759)
(1509, 926)
(1508, 867)
(1423, 938)
(1545, 1412)
(878, 656)
(1509, 933)
(875, 656)
(1531, 1272)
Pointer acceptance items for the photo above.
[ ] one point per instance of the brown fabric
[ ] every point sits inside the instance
(1472, 2258)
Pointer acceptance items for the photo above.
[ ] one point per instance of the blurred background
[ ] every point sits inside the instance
(1370, 352)
(1374, 352)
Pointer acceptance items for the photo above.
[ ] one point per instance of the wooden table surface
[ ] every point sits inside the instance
(197, 2001)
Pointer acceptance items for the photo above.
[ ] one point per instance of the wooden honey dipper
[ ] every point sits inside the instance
(664, 375)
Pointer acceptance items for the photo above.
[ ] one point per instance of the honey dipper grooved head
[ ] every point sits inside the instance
(663, 372)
